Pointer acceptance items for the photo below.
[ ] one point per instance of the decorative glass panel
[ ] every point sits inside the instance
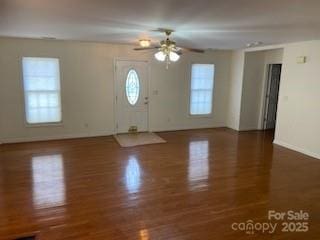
(132, 87)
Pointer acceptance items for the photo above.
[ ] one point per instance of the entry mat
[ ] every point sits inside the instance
(136, 139)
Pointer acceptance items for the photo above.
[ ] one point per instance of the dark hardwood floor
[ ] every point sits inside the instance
(195, 186)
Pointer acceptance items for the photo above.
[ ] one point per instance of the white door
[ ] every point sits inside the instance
(131, 96)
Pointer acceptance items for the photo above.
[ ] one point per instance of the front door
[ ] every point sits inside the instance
(131, 96)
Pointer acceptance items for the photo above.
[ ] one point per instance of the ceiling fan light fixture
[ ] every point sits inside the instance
(167, 50)
(145, 42)
(173, 56)
(160, 56)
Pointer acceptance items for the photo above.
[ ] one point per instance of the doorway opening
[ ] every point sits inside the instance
(271, 97)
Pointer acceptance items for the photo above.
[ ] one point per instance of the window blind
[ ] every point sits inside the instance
(41, 78)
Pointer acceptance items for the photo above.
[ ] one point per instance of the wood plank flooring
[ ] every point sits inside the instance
(195, 186)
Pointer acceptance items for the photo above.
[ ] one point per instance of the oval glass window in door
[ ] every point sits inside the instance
(132, 87)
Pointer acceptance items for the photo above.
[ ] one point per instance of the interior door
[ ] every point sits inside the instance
(131, 96)
(272, 96)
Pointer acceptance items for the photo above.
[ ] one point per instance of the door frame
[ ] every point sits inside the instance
(115, 88)
(268, 72)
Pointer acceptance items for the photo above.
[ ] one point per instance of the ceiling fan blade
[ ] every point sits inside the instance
(178, 51)
(163, 30)
(196, 50)
(145, 48)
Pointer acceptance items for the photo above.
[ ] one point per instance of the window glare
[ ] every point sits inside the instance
(41, 78)
(202, 77)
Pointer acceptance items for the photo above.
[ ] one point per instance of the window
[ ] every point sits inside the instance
(132, 87)
(41, 79)
(202, 77)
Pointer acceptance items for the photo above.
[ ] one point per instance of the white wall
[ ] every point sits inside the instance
(87, 89)
(298, 115)
(247, 86)
(251, 90)
(298, 120)
(235, 89)
(254, 86)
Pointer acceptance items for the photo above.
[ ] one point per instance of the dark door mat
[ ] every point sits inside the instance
(26, 238)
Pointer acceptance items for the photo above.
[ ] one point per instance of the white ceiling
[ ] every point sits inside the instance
(198, 23)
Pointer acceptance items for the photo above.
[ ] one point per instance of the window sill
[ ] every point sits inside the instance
(38, 125)
(201, 115)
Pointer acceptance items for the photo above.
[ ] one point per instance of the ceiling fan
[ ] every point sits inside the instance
(168, 51)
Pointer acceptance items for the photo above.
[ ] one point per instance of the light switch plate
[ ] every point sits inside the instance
(301, 59)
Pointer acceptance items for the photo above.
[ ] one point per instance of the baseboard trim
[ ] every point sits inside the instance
(244, 129)
(185, 129)
(49, 138)
(297, 149)
(84, 135)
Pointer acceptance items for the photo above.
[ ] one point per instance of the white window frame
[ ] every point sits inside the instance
(209, 115)
(41, 124)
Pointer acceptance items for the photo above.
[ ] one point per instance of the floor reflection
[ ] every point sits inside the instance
(144, 234)
(198, 170)
(48, 181)
(133, 175)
